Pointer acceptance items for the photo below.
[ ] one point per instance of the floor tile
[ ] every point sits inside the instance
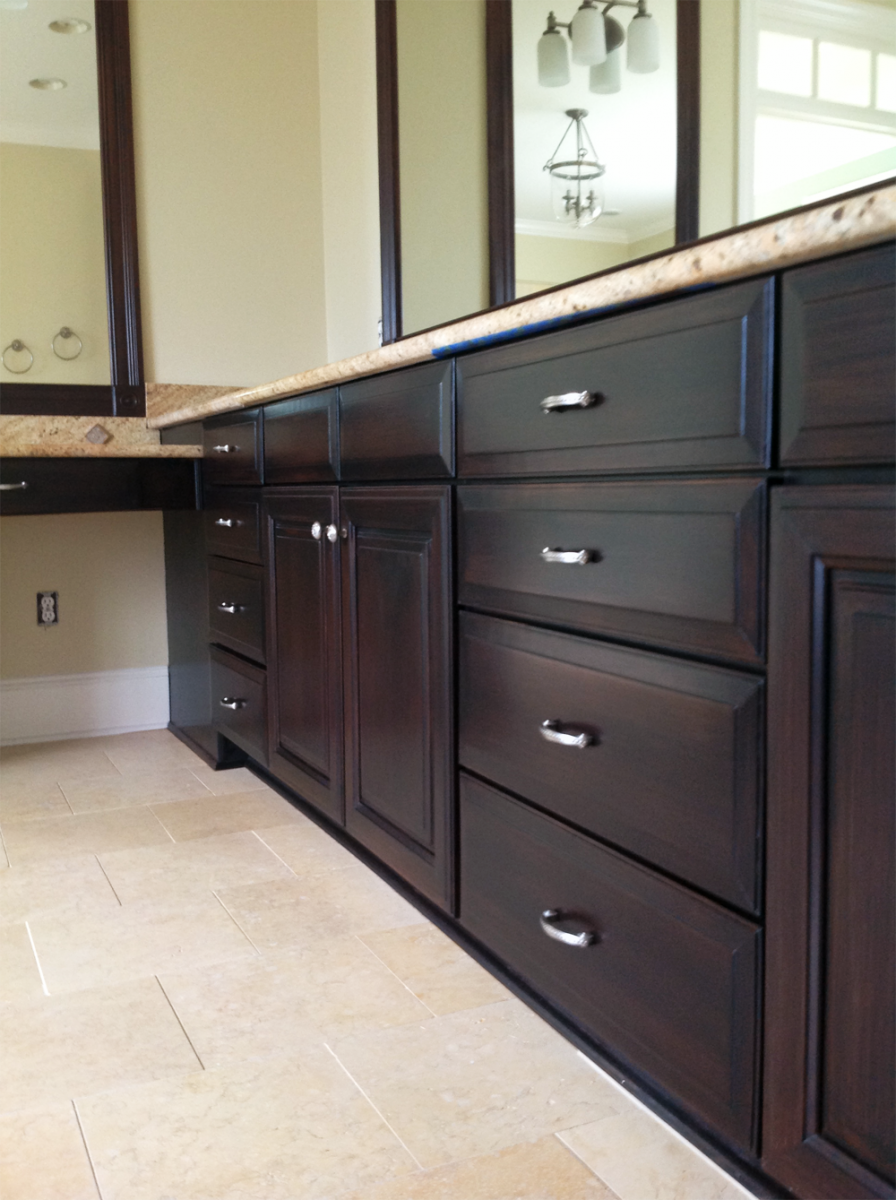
(279, 1003)
(83, 833)
(436, 970)
(153, 787)
(541, 1170)
(225, 814)
(42, 1156)
(57, 885)
(133, 941)
(643, 1160)
(306, 848)
(66, 1046)
(305, 912)
(135, 753)
(183, 869)
(282, 1129)
(19, 801)
(49, 761)
(475, 1082)
(19, 976)
(237, 779)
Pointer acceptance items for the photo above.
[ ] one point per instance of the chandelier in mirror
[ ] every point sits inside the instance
(576, 196)
(597, 40)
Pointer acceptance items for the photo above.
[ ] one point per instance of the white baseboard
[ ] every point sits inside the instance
(60, 707)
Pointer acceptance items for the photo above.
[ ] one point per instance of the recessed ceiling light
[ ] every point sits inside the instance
(14, 4)
(47, 85)
(69, 25)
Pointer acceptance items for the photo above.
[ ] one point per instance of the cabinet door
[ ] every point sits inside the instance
(398, 654)
(829, 1062)
(305, 681)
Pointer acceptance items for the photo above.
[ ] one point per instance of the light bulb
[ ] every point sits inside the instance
(589, 40)
(553, 61)
(605, 77)
(643, 45)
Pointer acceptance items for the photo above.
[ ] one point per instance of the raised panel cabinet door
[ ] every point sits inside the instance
(398, 669)
(830, 1062)
(304, 655)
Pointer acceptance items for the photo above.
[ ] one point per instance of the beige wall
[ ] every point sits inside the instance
(442, 120)
(718, 115)
(52, 259)
(109, 571)
(543, 262)
(652, 245)
(350, 175)
(229, 206)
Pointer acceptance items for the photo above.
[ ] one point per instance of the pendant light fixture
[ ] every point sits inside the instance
(596, 40)
(574, 168)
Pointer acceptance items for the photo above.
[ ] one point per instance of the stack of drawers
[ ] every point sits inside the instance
(612, 641)
(236, 588)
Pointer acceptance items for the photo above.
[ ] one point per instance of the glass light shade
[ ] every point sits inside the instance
(589, 40)
(643, 45)
(605, 77)
(553, 61)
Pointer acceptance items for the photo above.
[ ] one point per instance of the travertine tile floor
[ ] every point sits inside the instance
(204, 997)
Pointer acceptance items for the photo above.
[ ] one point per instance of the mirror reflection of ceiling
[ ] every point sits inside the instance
(633, 131)
(29, 49)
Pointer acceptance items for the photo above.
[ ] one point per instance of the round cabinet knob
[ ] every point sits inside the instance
(316, 531)
(332, 533)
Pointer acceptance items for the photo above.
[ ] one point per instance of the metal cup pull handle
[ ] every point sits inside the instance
(550, 731)
(548, 921)
(567, 400)
(228, 607)
(227, 522)
(570, 557)
(231, 702)
(225, 449)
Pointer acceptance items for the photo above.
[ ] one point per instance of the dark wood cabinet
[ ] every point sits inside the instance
(233, 448)
(830, 1063)
(59, 485)
(239, 703)
(305, 655)
(397, 642)
(301, 439)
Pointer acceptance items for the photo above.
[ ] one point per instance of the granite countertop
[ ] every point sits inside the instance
(830, 228)
(85, 437)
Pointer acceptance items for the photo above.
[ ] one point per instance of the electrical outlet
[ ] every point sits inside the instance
(48, 608)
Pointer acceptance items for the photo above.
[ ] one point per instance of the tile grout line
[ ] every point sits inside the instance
(374, 1107)
(558, 1134)
(160, 821)
(3, 847)
(198, 780)
(274, 852)
(64, 797)
(108, 880)
(395, 973)
(179, 1021)
(96, 1182)
(237, 924)
(40, 969)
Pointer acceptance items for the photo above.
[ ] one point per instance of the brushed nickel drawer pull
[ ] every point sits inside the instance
(581, 940)
(550, 731)
(225, 449)
(229, 702)
(228, 607)
(13, 487)
(227, 522)
(568, 400)
(571, 557)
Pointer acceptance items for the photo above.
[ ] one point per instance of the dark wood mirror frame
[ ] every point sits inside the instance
(125, 397)
(499, 132)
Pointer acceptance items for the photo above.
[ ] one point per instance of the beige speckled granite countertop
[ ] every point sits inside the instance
(830, 228)
(66, 437)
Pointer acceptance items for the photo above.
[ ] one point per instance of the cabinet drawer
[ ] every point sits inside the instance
(838, 364)
(236, 607)
(680, 564)
(670, 982)
(237, 683)
(300, 439)
(232, 448)
(399, 426)
(687, 383)
(233, 524)
(670, 765)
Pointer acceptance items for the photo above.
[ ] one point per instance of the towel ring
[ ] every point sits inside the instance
(65, 333)
(17, 347)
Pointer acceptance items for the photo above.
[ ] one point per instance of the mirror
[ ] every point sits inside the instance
(69, 308)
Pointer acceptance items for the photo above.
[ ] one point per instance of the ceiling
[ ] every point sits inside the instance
(29, 49)
(634, 131)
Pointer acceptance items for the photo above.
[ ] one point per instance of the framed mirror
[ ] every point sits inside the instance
(68, 221)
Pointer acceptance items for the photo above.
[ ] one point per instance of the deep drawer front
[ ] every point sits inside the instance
(300, 439)
(236, 607)
(838, 369)
(678, 564)
(233, 525)
(239, 708)
(399, 426)
(669, 985)
(56, 485)
(687, 383)
(668, 755)
(232, 448)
